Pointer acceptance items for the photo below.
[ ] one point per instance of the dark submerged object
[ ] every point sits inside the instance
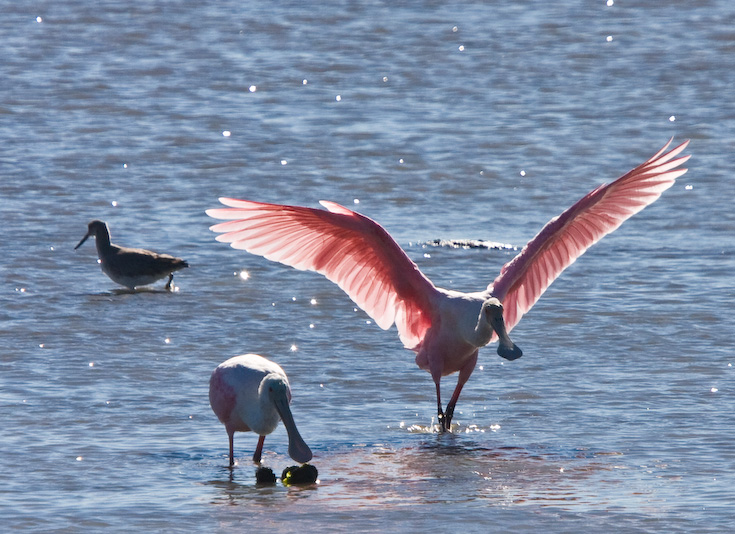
(304, 474)
(265, 475)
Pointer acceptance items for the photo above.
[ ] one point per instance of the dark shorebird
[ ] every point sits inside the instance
(131, 267)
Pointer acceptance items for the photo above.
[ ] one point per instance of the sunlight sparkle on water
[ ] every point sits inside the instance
(610, 3)
(114, 203)
(313, 302)
(252, 88)
(609, 38)
(293, 348)
(672, 118)
(244, 275)
(423, 429)
(39, 20)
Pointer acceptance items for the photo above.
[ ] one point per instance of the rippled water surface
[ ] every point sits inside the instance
(464, 121)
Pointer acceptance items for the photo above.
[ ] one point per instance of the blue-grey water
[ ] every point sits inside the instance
(458, 120)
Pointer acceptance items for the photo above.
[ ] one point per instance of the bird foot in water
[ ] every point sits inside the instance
(445, 419)
(448, 414)
(444, 424)
(169, 284)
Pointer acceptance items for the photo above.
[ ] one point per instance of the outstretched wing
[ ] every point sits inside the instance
(351, 250)
(564, 238)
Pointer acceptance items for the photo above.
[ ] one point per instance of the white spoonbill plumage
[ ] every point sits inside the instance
(252, 393)
(130, 267)
(444, 328)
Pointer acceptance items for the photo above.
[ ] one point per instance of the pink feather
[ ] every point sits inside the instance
(565, 238)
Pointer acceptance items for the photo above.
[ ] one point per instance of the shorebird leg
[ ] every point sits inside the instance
(448, 414)
(464, 375)
(231, 435)
(170, 279)
(440, 413)
(258, 450)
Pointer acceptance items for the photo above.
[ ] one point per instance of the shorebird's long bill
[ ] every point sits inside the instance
(506, 348)
(82, 241)
(297, 447)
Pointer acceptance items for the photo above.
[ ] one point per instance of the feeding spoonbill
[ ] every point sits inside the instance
(249, 392)
(444, 328)
(130, 267)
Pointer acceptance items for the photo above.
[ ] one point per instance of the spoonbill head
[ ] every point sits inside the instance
(130, 267)
(444, 328)
(252, 393)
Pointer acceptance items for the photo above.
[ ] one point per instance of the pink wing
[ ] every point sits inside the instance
(564, 238)
(351, 250)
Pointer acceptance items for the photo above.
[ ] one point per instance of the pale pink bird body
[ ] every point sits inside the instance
(444, 328)
(252, 393)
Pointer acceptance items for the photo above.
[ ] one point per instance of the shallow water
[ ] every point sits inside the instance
(460, 122)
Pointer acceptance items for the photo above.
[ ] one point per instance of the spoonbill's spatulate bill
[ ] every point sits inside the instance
(444, 328)
(130, 267)
(251, 393)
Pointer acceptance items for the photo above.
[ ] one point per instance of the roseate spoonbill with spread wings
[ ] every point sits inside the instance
(249, 392)
(130, 267)
(444, 328)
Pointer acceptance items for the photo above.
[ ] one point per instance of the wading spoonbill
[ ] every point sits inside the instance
(249, 392)
(444, 328)
(130, 267)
